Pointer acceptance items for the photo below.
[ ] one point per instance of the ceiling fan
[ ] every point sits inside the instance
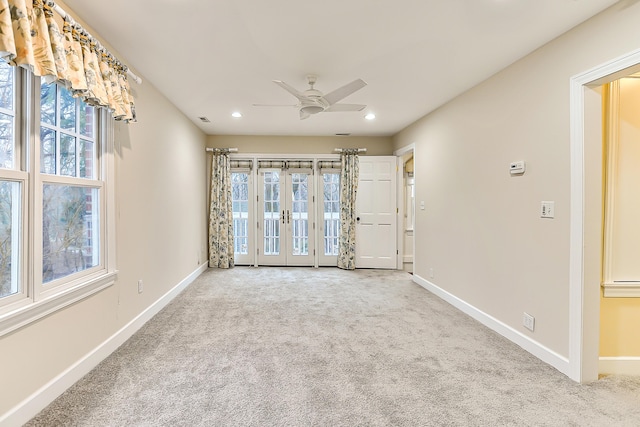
(312, 101)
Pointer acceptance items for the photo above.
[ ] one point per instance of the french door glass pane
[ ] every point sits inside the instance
(10, 198)
(331, 184)
(271, 194)
(70, 230)
(299, 214)
(240, 199)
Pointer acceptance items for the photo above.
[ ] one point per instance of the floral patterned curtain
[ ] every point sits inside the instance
(348, 190)
(31, 38)
(221, 213)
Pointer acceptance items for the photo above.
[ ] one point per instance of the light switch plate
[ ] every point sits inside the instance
(547, 209)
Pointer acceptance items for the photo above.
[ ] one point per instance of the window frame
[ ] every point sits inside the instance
(323, 258)
(39, 299)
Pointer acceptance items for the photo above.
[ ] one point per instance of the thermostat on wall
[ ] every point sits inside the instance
(517, 167)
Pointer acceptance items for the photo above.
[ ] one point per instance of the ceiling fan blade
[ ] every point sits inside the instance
(274, 105)
(304, 115)
(344, 91)
(293, 91)
(345, 107)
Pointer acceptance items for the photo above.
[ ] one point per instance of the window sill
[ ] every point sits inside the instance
(621, 290)
(33, 311)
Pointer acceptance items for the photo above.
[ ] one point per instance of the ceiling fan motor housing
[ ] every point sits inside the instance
(313, 106)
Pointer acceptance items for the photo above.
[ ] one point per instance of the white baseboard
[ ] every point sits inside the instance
(39, 400)
(619, 366)
(543, 353)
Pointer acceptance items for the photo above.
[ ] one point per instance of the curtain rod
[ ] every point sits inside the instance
(340, 150)
(228, 150)
(64, 14)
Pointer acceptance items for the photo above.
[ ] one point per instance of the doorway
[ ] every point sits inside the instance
(586, 212)
(406, 207)
(285, 217)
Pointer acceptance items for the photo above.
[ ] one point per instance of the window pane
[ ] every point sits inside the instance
(7, 143)
(87, 120)
(67, 110)
(9, 238)
(240, 195)
(331, 215)
(47, 150)
(7, 121)
(299, 214)
(87, 159)
(67, 155)
(6, 86)
(48, 103)
(70, 229)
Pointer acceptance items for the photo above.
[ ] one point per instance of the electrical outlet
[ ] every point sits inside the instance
(528, 321)
(140, 286)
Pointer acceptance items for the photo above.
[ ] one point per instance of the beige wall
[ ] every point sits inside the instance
(376, 146)
(161, 238)
(481, 231)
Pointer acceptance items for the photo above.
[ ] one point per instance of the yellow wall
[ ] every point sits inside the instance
(619, 327)
(620, 317)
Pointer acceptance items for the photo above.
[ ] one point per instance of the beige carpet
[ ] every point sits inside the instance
(326, 347)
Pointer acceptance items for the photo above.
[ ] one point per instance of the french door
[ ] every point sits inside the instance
(285, 217)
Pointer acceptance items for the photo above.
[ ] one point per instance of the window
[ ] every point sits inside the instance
(55, 210)
(240, 200)
(331, 212)
(70, 190)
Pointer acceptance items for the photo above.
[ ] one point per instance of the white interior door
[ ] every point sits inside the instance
(285, 206)
(376, 212)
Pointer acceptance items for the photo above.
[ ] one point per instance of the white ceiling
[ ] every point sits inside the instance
(213, 57)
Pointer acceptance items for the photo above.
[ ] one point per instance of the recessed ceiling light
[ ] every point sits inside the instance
(204, 119)
(236, 114)
(370, 116)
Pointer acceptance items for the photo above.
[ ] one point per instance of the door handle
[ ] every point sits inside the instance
(283, 216)
(288, 216)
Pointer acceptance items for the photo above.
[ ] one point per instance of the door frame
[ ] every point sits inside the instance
(400, 153)
(248, 259)
(255, 157)
(586, 213)
(286, 221)
(323, 260)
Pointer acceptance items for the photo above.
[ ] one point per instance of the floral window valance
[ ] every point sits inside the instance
(31, 38)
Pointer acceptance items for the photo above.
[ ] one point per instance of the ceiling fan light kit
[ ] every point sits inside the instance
(312, 101)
